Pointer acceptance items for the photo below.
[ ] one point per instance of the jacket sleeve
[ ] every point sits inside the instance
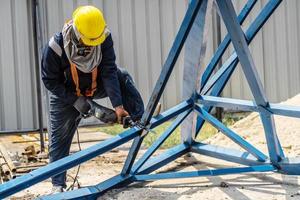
(108, 73)
(53, 76)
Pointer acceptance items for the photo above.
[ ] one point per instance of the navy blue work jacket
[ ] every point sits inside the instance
(57, 77)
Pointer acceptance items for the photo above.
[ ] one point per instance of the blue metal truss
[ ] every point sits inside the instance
(202, 102)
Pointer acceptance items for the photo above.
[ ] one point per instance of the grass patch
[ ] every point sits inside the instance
(112, 130)
(230, 118)
(207, 131)
(173, 140)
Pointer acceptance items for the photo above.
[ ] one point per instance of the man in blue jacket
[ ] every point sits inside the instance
(79, 63)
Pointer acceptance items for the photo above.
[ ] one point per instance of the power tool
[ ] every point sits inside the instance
(107, 115)
(128, 122)
(102, 113)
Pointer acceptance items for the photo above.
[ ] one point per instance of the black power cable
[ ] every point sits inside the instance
(75, 179)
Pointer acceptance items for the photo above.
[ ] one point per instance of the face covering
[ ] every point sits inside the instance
(86, 58)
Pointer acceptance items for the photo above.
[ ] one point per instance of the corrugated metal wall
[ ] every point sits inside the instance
(143, 31)
(17, 80)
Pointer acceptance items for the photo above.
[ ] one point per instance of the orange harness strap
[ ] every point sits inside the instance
(90, 92)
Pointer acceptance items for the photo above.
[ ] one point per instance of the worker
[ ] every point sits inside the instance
(78, 63)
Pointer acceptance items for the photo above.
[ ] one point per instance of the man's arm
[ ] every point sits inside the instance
(53, 76)
(108, 73)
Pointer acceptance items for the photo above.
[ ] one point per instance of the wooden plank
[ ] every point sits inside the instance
(7, 158)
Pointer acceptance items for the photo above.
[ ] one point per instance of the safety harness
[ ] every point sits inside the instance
(89, 92)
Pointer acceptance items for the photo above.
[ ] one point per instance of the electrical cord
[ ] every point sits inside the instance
(75, 179)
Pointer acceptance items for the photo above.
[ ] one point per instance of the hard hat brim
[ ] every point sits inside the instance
(93, 42)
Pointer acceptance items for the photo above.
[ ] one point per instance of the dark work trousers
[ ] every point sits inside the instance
(64, 119)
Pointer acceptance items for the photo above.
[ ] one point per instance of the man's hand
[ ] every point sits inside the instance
(120, 112)
(82, 105)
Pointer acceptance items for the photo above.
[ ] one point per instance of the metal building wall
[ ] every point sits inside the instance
(143, 31)
(17, 79)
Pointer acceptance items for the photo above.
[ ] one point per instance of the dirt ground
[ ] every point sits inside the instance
(270, 186)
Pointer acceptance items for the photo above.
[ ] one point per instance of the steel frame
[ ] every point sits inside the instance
(201, 103)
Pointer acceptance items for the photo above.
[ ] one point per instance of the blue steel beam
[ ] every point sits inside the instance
(158, 119)
(209, 172)
(218, 55)
(154, 122)
(161, 160)
(64, 164)
(217, 90)
(224, 44)
(138, 140)
(244, 105)
(170, 113)
(229, 103)
(193, 55)
(180, 38)
(92, 192)
(134, 149)
(87, 193)
(179, 41)
(61, 165)
(290, 166)
(160, 141)
(151, 165)
(232, 135)
(251, 32)
(242, 50)
(230, 155)
(274, 147)
(214, 79)
(167, 69)
(169, 155)
(284, 110)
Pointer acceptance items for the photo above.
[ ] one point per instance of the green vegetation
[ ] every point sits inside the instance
(207, 131)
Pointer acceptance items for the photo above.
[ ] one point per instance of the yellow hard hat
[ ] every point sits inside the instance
(90, 25)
